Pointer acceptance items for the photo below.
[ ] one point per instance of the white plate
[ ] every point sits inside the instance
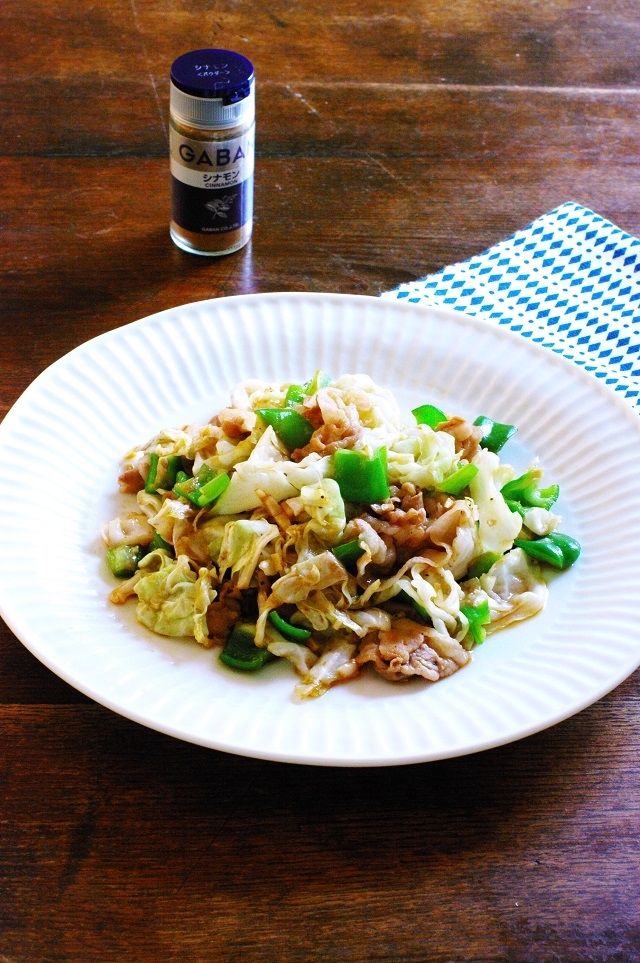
(62, 442)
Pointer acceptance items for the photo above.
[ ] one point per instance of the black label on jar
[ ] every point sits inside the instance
(205, 211)
(212, 183)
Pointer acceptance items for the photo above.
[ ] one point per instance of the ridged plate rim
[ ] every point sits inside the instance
(83, 412)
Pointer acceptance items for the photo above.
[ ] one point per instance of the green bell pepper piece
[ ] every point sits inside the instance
(361, 478)
(516, 507)
(459, 480)
(159, 542)
(292, 428)
(295, 395)
(203, 488)
(172, 465)
(429, 415)
(569, 546)
(478, 616)
(320, 380)
(188, 486)
(289, 631)
(123, 560)
(212, 489)
(150, 485)
(240, 650)
(349, 552)
(524, 492)
(418, 609)
(482, 564)
(558, 550)
(495, 434)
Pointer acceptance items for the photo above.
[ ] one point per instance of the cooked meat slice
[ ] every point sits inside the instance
(130, 481)
(466, 436)
(223, 613)
(403, 517)
(406, 650)
(337, 425)
(237, 422)
(380, 552)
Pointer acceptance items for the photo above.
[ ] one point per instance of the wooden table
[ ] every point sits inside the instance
(392, 140)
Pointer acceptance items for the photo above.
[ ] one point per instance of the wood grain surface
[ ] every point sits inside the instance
(392, 139)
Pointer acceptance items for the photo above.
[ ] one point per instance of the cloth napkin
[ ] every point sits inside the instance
(569, 281)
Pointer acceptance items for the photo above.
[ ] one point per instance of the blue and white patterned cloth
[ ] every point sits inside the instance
(569, 281)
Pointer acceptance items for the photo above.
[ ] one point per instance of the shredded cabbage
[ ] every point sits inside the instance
(172, 598)
(395, 585)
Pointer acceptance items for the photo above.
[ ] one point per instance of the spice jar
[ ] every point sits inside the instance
(212, 133)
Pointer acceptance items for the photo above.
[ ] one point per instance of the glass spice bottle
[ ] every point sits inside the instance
(211, 146)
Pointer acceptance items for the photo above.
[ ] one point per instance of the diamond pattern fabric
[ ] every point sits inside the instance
(569, 281)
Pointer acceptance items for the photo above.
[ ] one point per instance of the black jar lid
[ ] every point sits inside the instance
(213, 73)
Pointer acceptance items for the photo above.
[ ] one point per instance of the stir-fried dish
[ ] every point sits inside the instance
(309, 522)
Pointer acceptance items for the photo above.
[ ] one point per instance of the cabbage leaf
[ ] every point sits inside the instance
(421, 456)
(268, 470)
(242, 545)
(497, 524)
(323, 502)
(172, 598)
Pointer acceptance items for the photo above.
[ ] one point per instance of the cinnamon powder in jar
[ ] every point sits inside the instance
(212, 135)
